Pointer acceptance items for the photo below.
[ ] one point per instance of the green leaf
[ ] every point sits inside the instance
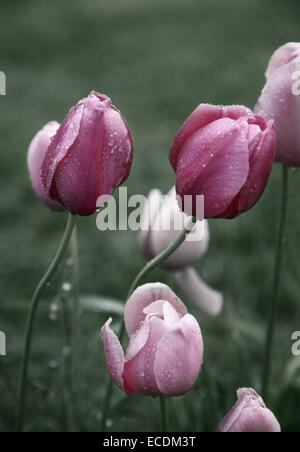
(102, 304)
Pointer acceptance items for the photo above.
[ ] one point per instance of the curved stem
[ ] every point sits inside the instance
(141, 275)
(31, 318)
(164, 414)
(161, 257)
(275, 288)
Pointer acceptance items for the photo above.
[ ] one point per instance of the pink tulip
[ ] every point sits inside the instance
(165, 352)
(154, 237)
(249, 415)
(225, 154)
(280, 100)
(160, 222)
(89, 157)
(36, 153)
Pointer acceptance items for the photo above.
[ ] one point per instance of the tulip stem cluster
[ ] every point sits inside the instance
(142, 275)
(32, 315)
(276, 284)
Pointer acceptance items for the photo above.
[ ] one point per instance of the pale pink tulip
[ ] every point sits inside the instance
(249, 415)
(89, 157)
(225, 154)
(165, 352)
(160, 226)
(35, 156)
(280, 101)
(161, 223)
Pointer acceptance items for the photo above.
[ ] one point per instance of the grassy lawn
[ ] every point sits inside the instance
(157, 60)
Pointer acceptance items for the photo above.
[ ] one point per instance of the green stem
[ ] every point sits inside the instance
(161, 257)
(76, 325)
(164, 413)
(142, 274)
(31, 318)
(67, 363)
(275, 288)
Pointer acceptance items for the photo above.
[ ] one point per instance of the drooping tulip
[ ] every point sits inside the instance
(249, 415)
(225, 154)
(35, 156)
(165, 353)
(280, 101)
(161, 223)
(89, 157)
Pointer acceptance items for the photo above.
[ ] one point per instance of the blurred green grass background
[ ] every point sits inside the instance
(157, 60)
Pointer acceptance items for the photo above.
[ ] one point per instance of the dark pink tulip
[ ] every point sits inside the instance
(35, 156)
(280, 100)
(225, 154)
(165, 352)
(249, 415)
(90, 156)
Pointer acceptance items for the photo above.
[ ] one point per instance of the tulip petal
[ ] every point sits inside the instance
(201, 117)
(156, 308)
(67, 134)
(261, 163)
(171, 316)
(36, 154)
(167, 227)
(278, 102)
(206, 298)
(214, 162)
(114, 354)
(283, 55)
(138, 371)
(150, 212)
(138, 339)
(142, 297)
(179, 357)
(249, 415)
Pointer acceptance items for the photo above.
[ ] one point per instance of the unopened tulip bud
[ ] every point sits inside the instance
(155, 237)
(162, 222)
(89, 157)
(165, 353)
(280, 101)
(36, 154)
(249, 415)
(225, 154)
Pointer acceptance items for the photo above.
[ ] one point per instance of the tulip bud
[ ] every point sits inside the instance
(165, 352)
(249, 415)
(279, 100)
(154, 237)
(225, 154)
(35, 156)
(89, 157)
(161, 223)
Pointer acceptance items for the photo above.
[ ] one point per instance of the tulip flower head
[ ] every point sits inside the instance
(165, 352)
(89, 157)
(35, 156)
(160, 210)
(225, 154)
(280, 101)
(154, 237)
(249, 415)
